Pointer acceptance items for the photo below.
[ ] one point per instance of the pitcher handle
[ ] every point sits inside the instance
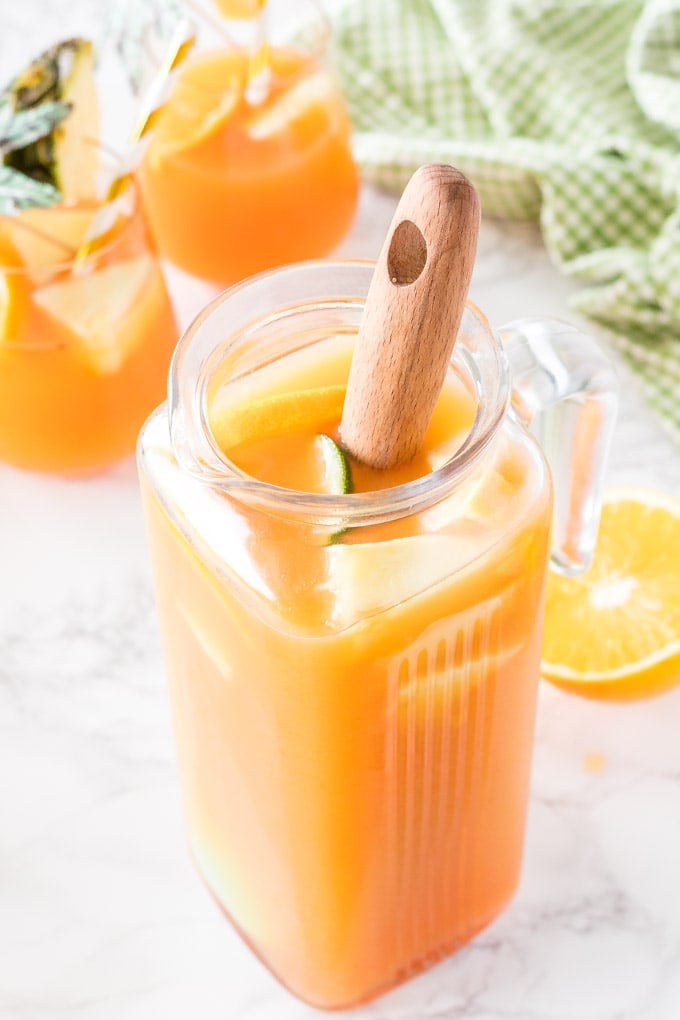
(565, 391)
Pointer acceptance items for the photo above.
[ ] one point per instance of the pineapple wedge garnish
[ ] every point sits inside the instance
(67, 157)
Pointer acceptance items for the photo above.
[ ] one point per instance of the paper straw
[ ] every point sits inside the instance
(103, 225)
(259, 69)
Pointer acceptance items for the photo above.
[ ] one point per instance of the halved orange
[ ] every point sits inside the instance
(614, 632)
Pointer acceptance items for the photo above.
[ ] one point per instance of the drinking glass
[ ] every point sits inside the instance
(85, 344)
(247, 171)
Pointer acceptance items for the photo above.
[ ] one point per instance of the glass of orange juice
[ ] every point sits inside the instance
(353, 655)
(84, 345)
(242, 175)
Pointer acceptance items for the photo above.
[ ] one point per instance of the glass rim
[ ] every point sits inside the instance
(212, 466)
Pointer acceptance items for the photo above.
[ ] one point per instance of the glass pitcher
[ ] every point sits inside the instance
(353, 676)
(235, 183)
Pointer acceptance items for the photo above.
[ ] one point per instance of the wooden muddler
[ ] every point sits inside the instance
(411, 317)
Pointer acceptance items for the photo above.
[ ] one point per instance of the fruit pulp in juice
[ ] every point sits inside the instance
(233, 187)
(83, 357)
(353, 707)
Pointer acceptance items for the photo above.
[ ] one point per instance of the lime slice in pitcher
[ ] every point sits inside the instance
(335, 469)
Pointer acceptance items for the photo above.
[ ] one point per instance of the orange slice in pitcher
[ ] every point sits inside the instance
(299, 107)
(275, 415)
(614, 631)
(203, 98)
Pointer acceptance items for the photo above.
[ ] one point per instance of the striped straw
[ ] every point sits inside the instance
(103, 225)
(259, 71)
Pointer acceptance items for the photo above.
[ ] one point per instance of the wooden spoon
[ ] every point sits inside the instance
(411, 317)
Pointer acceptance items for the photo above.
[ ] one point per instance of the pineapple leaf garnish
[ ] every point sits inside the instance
(35, 143)
(19, 191)
(18, 129)
(21, 128)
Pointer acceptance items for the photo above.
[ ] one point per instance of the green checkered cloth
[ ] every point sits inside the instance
(558, 110)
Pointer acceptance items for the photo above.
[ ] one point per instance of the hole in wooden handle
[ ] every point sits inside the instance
(407, 255)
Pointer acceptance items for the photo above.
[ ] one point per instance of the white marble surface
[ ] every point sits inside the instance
(101, 914)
